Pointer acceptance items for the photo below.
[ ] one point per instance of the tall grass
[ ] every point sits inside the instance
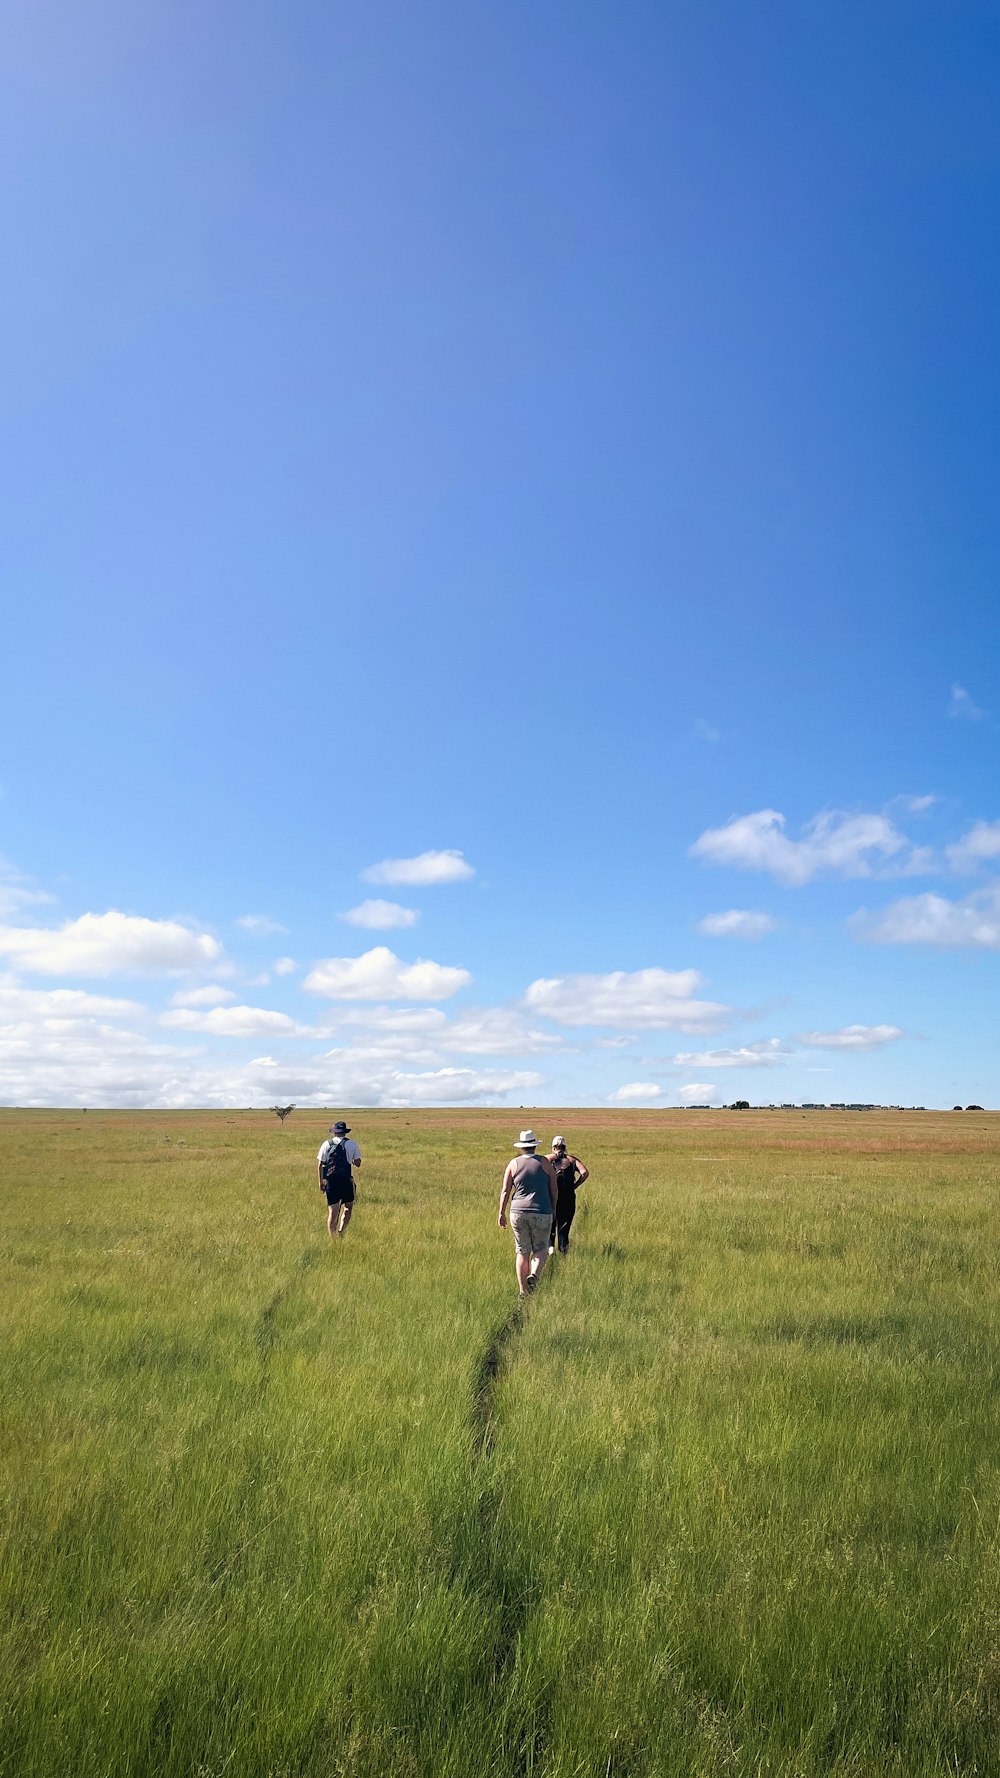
(724, 1500)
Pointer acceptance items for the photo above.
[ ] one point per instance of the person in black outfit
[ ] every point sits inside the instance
(570, 1173)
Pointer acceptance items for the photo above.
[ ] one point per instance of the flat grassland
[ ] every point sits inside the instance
(724, 1500)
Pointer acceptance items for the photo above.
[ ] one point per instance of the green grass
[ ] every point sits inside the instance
(725, 1500)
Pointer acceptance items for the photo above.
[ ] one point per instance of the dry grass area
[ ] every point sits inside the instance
(726, 1500)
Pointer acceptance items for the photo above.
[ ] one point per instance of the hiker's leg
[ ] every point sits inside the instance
(565, 1224)
(331, 1220)
(345, 1217)
(522, 1266)
(538, 1262)
(540, 1244)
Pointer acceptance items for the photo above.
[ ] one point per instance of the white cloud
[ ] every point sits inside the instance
(207, 996)
(918, 805)
(62, 1046)
(57, 1007)
(982, 842)
(972, 923)
(962, 707)
(379, 975)
(456, 1086)
(232, 1021)
(636, 1089)
(108, 944)
(699, 1092)
(16, 892)
(737, 923)
(426, 1033)
(426, 869)
(66, 1047)
(851, 1037)
(833, 842)
(751, 1055)
(283, 965)
(645, 999)
(261, 925)
(380, 916)
(706, 731)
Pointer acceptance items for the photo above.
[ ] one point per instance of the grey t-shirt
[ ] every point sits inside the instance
(532, 1192)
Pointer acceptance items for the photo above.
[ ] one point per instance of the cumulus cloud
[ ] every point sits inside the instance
(64, 1046)
(380, 916)
(108, 944)
(426, 1033)
(208, 996)
(762, 1054)
(962, 708)
(737, 923)
(426, 869)
(699, 1092)
(972, 923)
(636, 1089)
(457, 1086)
(346, 1077)
(232, 1021)
(379, 975)
(55, 1008)
(283, 965)
(832, 843)
(645, 999)
(261, 925)
(851, 1037)
(978, 846)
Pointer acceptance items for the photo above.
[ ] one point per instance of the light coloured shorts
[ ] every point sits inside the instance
(531, 1232)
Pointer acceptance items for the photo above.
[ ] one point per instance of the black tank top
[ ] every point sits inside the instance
(565, 1168)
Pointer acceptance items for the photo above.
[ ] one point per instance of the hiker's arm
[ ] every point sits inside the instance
(505, 1195)
(553, 1182)
(582, 1173)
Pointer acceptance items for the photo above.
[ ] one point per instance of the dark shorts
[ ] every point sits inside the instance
(341, 1195)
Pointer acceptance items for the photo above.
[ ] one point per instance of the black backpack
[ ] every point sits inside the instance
(336, 1168)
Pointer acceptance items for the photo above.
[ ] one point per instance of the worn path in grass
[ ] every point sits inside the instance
(501, 1562)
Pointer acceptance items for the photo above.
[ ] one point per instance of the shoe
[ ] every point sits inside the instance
(551, 1252)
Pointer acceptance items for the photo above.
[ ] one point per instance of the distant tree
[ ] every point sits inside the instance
(282, 1111)
(740, 1105)
(973, 1108)
(956, 1108)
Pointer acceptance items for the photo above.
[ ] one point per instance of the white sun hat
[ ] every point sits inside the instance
(527, 1139)
(559, 1142)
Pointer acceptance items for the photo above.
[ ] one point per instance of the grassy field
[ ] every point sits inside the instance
(724, 1500)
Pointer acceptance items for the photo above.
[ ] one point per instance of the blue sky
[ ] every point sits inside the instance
(561, 437)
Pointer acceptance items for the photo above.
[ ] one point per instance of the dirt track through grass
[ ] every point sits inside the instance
(725, 1500)
(506, 1568)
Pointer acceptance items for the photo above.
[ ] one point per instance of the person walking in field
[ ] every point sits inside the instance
(570, 1174)
(336, 1164)
(531, 1190)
